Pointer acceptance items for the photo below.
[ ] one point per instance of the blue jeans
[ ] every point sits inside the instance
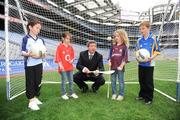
(69, 76)
(120, 75)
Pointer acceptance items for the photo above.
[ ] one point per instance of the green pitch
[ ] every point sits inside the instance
(93, 106)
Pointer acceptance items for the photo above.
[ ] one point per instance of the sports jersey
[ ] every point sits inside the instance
(27, 42)
(118, 54)
(152, 45)
(65, 55)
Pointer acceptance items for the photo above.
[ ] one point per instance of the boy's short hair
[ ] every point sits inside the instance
(32, 23)
(145, 23)
(91, 42)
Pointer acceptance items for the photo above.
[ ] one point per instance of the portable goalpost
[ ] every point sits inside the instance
(17, 12)
(178, 74)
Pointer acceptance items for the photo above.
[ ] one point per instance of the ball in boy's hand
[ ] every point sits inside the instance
(142, 55)
(38, 50)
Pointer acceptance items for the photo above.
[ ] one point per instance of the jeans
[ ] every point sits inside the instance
(69, 76)
(120, 75)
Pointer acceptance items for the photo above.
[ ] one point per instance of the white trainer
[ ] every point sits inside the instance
(33, 106)
(38, 102)
(74, 96)
(113, 97)
(65, 97)
(120, 98)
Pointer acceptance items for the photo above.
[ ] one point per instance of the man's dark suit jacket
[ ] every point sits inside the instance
(96, 63)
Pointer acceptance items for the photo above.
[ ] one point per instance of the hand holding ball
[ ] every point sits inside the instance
(38, 50)
(142, 55)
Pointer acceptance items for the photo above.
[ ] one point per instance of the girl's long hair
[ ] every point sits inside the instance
(124, 37)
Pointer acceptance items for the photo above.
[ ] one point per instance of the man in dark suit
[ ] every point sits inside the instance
(89, 60)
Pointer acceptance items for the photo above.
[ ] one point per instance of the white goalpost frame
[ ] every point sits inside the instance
(108, 87)
(7, 60)
(164, 94)
(88, 82)
(7, 49)
(21, 17)
(163, 19)
(178, 81)
(178, 74)
(109, 82)
(51, 82)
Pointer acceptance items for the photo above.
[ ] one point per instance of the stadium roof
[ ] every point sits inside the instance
(110, 12)
(140, 5)
(97, 11)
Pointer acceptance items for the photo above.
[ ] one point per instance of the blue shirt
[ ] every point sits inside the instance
(27, 42)
(152, 45)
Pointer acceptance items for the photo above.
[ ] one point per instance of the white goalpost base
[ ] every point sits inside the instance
(108, 83)
(178, 91)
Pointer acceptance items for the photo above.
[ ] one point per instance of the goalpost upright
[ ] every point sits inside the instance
(178, 74)
(7, 49)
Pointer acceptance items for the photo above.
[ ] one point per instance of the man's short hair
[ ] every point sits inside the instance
(91, 42)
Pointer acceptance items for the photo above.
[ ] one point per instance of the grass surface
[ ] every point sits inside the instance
(93, 106)
(90, 106)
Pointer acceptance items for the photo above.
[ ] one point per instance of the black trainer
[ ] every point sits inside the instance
(84, 89)
(139, 98)
(94, 89)
(148, 102)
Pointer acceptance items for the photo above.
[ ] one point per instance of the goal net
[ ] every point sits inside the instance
(89, 20)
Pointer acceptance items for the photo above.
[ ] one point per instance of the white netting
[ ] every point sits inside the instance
(89, 20)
